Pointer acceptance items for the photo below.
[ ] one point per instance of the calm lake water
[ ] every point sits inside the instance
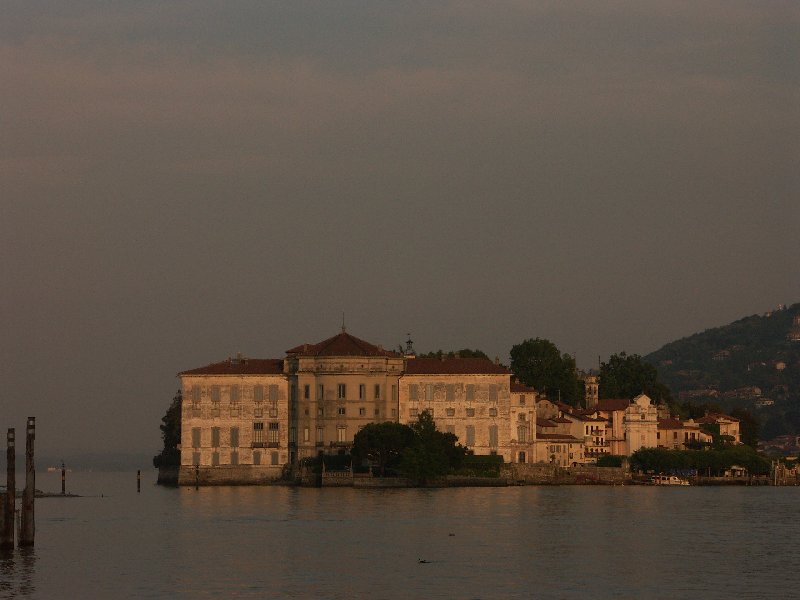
(520, 542)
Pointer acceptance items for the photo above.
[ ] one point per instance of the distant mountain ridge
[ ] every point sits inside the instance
(752, 363)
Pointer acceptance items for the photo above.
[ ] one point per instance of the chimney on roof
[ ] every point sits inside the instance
(497, 360)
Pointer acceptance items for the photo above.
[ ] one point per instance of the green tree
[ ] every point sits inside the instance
(170, 427)
(382, 443)
(539, 364)
(749, 426)
(627, 376)
(432, 452)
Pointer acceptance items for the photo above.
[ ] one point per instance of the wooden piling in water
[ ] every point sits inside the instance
(63, 479)
(138, 481)
(7, 534)
(27, 523)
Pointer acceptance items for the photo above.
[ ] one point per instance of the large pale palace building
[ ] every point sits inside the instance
(246, 419)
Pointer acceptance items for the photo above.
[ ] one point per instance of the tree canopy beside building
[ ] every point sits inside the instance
(432, 453)
(170, 427)
(712, 462)
(418, 451)
(538, 363)
(628, 375)
(382, 444)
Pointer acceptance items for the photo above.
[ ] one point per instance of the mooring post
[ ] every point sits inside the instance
(28, 525)
(138, 481)
(63, 479)
(7, 536)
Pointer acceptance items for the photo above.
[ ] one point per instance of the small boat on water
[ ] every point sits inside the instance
(668, 480)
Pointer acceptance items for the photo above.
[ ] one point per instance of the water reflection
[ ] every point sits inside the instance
(17, 572)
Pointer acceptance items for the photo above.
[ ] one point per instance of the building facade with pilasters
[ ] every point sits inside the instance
(246, 420)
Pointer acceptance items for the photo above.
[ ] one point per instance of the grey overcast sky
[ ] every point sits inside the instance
(182, 180)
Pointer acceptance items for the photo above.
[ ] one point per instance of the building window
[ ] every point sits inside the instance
(470, 412)
(273, 433)
(493, 436)
(412, 391)
(362, 412)
(195, 437)
(394, 393)
(234, 394)
(258, 393)
(306, 434)
(215, 394)
(429, 391)
(292, 435)
(320, 435)
(196, 394)
(413, 412)
(362, 391)
(470, 391)
(493, 391)
(450, 412)
(450, 429)
(196, 458)
(306, 392)
(341, 411)
(273, 458)
(215, 459)
(341, 391)
(215, 437)
(377, 391)
(234, 457)
(377, 412)
(320, 392)
(522, 399)
(320, 411)
(256, 458)
(522, 433)
(258, 432)
(470, 435)
(234, 437)
(394, 412)
(450, 392)
(258, 411)
(341, 433)
(492, 411)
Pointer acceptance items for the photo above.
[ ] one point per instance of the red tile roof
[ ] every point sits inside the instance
(453, 366)
(342, 344)
(544, 423)
(612, 404)
(670, 424)
(713, 418)
(521, 388)
(242, 366)
(557, 436)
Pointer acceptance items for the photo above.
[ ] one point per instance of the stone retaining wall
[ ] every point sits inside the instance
(230, 475)
(544, 474)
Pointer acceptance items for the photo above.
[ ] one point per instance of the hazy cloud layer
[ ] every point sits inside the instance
(180, 181)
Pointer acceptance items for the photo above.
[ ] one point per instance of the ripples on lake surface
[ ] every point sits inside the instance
(518, 542)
